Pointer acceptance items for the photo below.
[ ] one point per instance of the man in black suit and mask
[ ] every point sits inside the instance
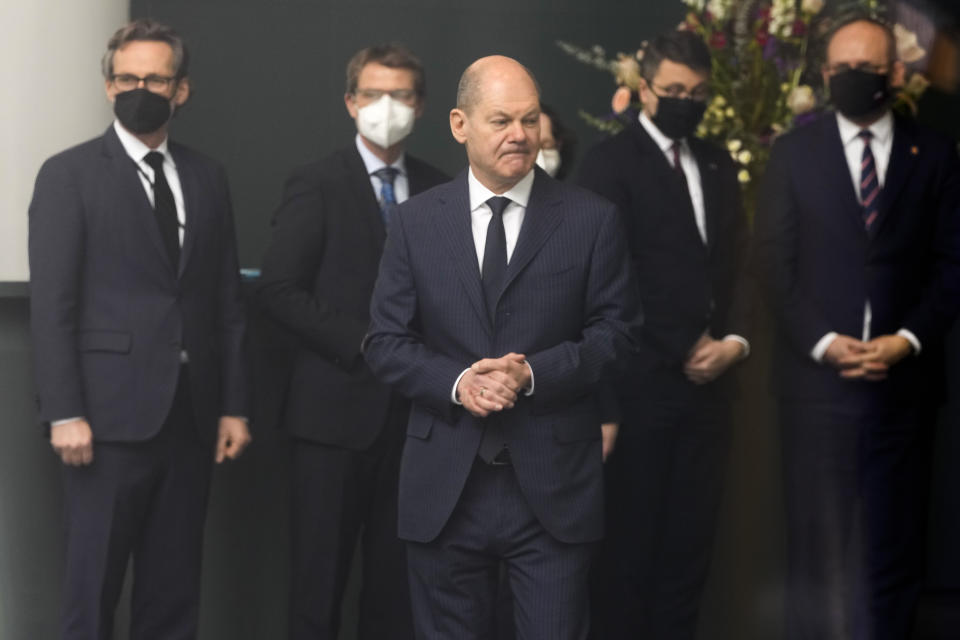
(680, 202)
(137, 330)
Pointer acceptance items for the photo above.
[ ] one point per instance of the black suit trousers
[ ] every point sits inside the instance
(337, 494)
(664, 486)
(147, 499)
(856, 486)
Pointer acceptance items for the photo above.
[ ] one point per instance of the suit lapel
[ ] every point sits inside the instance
(903, 159)
(836, 172)
(191, 204)
(710, 186)
(455, 229)
(138, 205)
(542, 217)
(368, 209)
(677, 196)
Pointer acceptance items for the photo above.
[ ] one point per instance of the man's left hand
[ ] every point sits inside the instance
(233, 437)
(880, 354)
(513, 364)
(710, 358)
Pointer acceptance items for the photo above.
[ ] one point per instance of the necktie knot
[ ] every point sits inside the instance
(866, 135)
(498, 204)
(387, 176)
(155, 160)
(676, 148)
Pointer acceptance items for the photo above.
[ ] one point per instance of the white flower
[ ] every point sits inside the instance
(744, 157)
(719, 9)
(908, 49)
(695, 4)
(719, 101)
(734, 145)
(811, 6)
(744, 176)
(917, 84)
(801, 100)
(730, 112)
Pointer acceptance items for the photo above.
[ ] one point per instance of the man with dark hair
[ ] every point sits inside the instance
(680, 202)
(502, 298)
(858, 251)
(346, 427)
(137, 330)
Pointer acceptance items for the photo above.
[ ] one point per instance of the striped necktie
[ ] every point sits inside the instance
(869, 183)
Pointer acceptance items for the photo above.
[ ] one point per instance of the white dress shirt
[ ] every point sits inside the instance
(401, 182)
(881, 145)
(691, 171)
(137, 152)
(480, 216)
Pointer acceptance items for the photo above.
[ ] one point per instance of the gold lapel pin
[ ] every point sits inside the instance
(914, 150)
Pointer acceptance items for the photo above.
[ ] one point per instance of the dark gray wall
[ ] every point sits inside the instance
(269, 75)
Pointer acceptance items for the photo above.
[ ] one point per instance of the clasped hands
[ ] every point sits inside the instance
(492, 384)
(871, 360)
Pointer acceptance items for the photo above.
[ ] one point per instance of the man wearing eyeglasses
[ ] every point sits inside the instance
(680, 202)
(858, 251)
(137, 328)
(346, 427)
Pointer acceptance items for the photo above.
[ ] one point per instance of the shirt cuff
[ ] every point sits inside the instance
(822, 345)
(529, 390)
(912, 339)
(741, 340)
(56, 423)
(456, 383)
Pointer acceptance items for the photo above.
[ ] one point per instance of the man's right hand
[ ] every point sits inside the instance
(484, 393)
(73, 442)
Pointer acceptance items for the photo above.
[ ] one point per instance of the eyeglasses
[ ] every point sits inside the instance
(869, 67)
(700, 93)
(154, 83)
(372, 95)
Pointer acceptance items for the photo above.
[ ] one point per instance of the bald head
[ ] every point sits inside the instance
(490, 69)
(497, 119)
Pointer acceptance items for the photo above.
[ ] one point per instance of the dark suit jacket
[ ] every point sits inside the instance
(110, 313)
(317, 279)
(686, 287)
(818, 265)
(569, 304)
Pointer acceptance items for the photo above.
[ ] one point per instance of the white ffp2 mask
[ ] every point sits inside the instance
(386, 121)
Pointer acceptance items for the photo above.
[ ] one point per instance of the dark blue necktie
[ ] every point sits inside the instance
(165, 208)
(869, 183)
(388, 197)
(494, 269)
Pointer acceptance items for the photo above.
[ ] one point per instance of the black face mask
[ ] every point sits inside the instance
(860, 94)
(678, 117)
(142, 111)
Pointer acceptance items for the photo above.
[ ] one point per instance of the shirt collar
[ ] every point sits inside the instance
(659, 138)
(882, 129)
(372, 162)
(135, 147)
(519, 193)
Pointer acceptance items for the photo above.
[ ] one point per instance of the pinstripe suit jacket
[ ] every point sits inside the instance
(569, 303)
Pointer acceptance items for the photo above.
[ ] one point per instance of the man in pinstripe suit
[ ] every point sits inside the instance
(503, 297)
